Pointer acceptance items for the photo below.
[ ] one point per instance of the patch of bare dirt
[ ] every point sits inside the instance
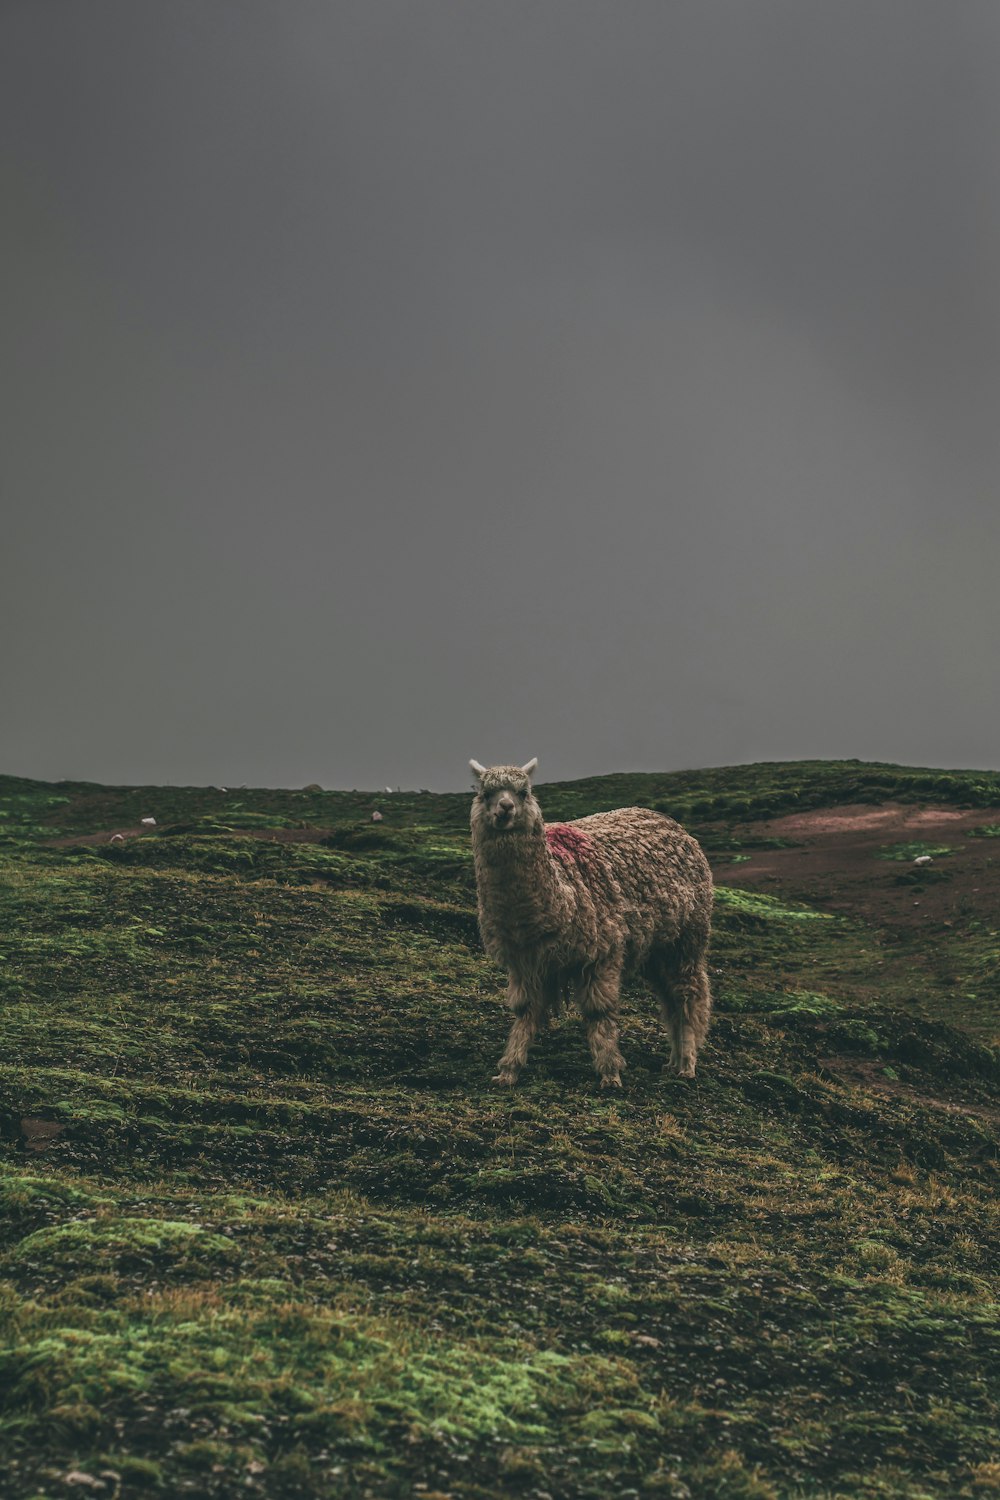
(123, 835)
(106, 836)
(892, 821)
(864, 1073)
(835, 863)
(39, 1134)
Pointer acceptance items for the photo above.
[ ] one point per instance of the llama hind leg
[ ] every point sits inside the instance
(680, 978)
(597, 998)
(529, 1010)
(695, 1002)
(672, 1019)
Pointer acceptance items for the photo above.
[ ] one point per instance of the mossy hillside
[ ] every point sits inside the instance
(762, 790)
(770, 789)
(289, 1241)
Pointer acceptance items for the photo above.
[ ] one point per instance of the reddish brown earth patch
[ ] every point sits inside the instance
(835, 863)
(892, 821)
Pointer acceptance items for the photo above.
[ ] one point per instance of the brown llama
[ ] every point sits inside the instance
(580, 905)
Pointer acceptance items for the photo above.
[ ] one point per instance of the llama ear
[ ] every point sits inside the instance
(530, 766)
(479, 770)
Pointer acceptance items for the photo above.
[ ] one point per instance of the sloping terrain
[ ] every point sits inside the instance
(268, 1230)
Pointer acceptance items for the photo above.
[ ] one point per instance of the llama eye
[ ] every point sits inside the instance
(523, 793)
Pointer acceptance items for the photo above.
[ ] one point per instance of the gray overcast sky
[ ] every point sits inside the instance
(387, 384)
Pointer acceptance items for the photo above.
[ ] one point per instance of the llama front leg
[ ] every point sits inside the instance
(528, 1008)
(597, 998)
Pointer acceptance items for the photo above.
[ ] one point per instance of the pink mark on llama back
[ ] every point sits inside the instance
(567, 843)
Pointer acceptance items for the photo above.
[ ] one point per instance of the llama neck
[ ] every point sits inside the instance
(522, 895)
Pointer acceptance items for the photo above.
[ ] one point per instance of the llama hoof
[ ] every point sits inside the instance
(686, 1072)
(505, 1079)
(613, 1081)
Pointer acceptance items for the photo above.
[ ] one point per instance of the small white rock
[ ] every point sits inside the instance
(376, 817)
(117, 838)
(149, 822)
(923, 859)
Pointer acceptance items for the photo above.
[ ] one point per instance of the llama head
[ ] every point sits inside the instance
(504, 801)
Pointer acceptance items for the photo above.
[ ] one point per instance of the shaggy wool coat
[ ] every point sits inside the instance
(614, 885)
(576, 906)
